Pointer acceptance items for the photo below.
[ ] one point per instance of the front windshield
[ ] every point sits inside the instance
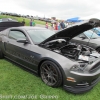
(39, 36)
(91, 34)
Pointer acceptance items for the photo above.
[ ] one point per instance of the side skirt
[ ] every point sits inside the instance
(25, 67)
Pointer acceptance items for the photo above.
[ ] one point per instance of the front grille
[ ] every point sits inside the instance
(95, 67)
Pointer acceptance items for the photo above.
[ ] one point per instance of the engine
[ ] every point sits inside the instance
(71, 50)
(74, 51)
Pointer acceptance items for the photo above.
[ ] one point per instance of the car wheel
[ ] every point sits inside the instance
(50, 74)
(1, 54)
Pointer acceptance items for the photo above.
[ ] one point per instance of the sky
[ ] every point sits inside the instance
(61, 9)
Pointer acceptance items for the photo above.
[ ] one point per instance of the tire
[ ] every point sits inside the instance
(1, 54)
(50, 74)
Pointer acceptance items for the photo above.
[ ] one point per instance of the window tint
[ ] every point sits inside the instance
(16, 35)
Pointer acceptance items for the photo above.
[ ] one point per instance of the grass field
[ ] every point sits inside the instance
(16, 83)
(20, 19)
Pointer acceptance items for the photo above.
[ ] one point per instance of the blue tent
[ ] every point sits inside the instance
(75, 19)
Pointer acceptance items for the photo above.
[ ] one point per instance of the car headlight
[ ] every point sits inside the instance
(76, 68)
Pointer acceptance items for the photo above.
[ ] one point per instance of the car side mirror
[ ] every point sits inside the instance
(22, 40)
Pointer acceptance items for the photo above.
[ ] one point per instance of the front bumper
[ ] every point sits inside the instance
(82, 81)
(81, 88)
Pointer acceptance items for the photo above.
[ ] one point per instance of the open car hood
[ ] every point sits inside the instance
(74, 30)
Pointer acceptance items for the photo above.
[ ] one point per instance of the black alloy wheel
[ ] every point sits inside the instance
(50, 74)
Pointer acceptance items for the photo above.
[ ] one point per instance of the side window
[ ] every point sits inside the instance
(15, 34)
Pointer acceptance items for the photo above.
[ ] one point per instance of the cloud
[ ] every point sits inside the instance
(59, 8)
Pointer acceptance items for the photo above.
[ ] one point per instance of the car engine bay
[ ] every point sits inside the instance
(72, 50)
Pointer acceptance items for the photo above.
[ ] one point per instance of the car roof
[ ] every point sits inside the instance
(29, 28)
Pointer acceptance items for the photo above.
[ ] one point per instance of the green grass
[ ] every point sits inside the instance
(20, 19)
(17, 83)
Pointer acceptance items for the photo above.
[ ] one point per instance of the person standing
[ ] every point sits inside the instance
(46, 25)
(55, 26)
(62, 24)
(23, 22)
(58, 24)
(31, 22)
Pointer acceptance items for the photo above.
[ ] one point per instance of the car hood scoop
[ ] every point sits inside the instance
(74, 30)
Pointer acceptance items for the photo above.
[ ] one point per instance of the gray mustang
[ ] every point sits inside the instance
(52, 56)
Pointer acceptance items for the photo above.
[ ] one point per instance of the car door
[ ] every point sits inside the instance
(19, 52)
(81, 39)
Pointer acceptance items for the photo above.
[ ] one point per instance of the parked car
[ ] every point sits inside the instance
(96, 30)
(88, 38)
(4, 24)
(52, 56)
(8, 20)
